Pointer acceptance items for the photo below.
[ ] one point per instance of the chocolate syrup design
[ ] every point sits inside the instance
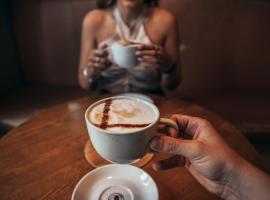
(105, 118)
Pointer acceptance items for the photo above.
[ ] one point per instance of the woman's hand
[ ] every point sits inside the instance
(153, 56)
(97, 61)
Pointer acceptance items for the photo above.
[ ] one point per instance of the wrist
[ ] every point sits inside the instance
(235, 171)
(253, 183)
(246, 182)
(89, 73)
(169, 68)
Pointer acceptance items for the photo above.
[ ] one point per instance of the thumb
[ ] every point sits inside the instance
(103, 46)
(186, 148)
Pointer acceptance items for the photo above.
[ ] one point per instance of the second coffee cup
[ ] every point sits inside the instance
(124, 54)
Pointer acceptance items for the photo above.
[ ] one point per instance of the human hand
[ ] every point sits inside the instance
(97, 61)
(153, 56)
(207, 157)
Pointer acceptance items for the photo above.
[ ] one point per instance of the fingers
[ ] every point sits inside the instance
(162, 128)
(98, 58)
(188, 125)
(99, 53)
(187, 148)
(97, 66)
(150, 56)
(148, 47)
(147, 59)
(174, 161)
(154, 55)
(173, 132)
(167, 130)
(148, 53)
(103, 46)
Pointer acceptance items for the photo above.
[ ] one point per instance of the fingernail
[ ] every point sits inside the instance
(156, 144)
(138, 53)
(156, 166)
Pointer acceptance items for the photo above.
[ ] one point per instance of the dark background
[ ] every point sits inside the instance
(10, 73)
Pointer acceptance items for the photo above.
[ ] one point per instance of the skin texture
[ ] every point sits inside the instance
(210, 160)
(99, 25)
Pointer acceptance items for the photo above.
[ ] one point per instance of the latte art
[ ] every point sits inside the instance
(124, 42)
(121, 115)
(127, 43)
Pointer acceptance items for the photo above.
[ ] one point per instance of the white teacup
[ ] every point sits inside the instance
(124, 55)
(117, 145)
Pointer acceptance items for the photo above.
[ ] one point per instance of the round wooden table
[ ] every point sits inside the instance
(44, 157)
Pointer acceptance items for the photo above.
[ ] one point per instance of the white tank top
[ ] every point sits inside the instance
(135, 31)
(139, 79)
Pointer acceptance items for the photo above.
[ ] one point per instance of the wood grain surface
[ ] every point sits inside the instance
(44, 157)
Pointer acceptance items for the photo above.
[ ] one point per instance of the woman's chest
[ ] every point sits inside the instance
(148, 29)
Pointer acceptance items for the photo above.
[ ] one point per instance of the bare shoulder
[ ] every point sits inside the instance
(94, 19)
(165, 16)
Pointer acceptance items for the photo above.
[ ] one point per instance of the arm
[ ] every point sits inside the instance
(166, 56)
(92, 60)
(87, 44)
(171, 47)
(248, 182)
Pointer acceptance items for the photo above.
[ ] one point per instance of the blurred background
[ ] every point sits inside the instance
(225, 59)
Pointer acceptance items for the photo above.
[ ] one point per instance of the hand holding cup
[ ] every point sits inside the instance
(124, 53)
(97, 61)
(152, 56)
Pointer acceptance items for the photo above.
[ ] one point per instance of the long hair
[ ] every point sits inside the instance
(109, 3)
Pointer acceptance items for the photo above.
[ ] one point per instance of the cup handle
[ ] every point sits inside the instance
(166, 122)
(169, 122)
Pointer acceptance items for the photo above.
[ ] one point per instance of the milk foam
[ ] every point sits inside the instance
(124, 111)
(128, 43)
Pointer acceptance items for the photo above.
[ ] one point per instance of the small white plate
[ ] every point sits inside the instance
(137, 95)
(116, 182)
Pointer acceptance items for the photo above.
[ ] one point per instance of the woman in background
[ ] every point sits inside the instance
(136, 20)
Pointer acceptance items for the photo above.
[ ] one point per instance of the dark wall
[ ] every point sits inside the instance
(226, 44)
(48, 35)
(10, 76)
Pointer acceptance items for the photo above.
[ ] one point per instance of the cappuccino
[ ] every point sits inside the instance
(124, 53)
(127, 43)
(122, 115)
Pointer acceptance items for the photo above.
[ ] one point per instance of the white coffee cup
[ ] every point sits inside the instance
(124, 55)
(124, 148)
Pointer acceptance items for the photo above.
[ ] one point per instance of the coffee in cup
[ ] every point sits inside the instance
(120, 128)
(122, 115)
(124, 53)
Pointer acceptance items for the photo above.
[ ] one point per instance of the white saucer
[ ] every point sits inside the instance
(116, 182)
(137, 95)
